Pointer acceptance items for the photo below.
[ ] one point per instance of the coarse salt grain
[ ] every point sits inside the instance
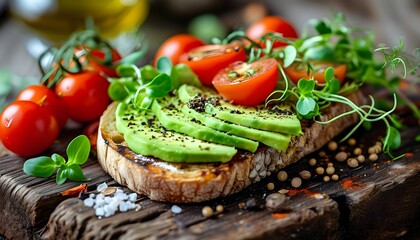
(106, 206)
(176, 209)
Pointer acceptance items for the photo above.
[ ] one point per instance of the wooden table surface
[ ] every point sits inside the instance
(376, 201)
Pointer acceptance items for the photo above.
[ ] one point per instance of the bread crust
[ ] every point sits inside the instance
(198, 182)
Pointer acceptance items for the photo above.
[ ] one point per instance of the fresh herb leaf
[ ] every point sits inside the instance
(164, 65)
(289, 55)
(160, 86)
(77, 152)
(39, 167)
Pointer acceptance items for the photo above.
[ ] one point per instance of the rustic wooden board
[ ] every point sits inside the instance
(380, 203)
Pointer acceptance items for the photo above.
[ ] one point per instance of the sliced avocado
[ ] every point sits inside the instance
(173, 119)
(146, 136)
(278, 141)
(281, 119)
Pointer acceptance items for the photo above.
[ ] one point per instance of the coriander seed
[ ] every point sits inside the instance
(332, 145)
(312, 162)
(361, 158)
(351, 142)
(357, 151)
(319, 170)
(327, 178)
(207, 211)
(373, 157)
(270, 186)
(352, 162)
(330, 170)
(334, 177)
(296, 182)
(305, 174)
(341, 156)
(282, 176)
(219, 208)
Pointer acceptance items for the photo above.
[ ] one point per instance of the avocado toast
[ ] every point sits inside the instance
(194, 179)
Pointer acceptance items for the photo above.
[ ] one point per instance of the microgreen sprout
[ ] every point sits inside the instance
(77, 153)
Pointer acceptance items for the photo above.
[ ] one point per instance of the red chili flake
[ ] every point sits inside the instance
(348, 183)
(410, 154)
(279, 215)
(293, 192)
(74, 192)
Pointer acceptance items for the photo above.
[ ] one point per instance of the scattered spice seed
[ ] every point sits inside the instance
(283, 191)
(361, 158)
(351, 142)
(108, 191)
(332, 145)
(322, 154)
(330, 170)
(327, 178)
(207, 211)
(282, 176)
(219, 208)
(334, 177)
(296, 182)
(270, 186)
(330, 164)
(352, 162)
(305, 174)
(312, 162)
(373, 157)
(319, 170)
(341, 156)
(357, 151)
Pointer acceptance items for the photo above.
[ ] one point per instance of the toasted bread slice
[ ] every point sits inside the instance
(197, 182)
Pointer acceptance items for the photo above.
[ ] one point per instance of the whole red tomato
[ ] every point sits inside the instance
(271, 24)
(46, 97)
(247, 84)
(298, 71)
(207, 60)
(27, 129)
(95, 60)
(177, 45)
(85, 94)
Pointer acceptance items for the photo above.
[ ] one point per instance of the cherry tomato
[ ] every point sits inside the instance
(177, 45)
(46, 97)
(271, 24)
(206, 61)
(96, 60)
(85, 94)
(27, 129)
(300, 70)
(247, 84)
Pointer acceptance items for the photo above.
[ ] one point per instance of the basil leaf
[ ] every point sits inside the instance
(74, 172)
(160, 86)
(78, 150)
(164, 65)
(61, 176)
(58, 159)
(289, 55)
(39, 167)
(182, 74)
(319, 53)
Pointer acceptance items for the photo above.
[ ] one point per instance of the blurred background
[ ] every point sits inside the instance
(159, 19)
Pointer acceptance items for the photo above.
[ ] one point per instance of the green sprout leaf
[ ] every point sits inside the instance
(160, 86)
(164, 65)
(78, 150)
(289, 55)
(40, 167)
(74, 172)
(306, 86)
(58, 159)
(305, 105)
(61, 176)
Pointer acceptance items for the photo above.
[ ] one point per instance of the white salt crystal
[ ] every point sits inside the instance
(123, 207)
(107, 199)
(88, 202)
(101, 187)
(176, 209)
(99, 212)
(132, 197)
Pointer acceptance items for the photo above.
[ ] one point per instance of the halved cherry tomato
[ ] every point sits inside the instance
(27, 129)
(177, 45)
(300, 70)
(85, 94)
(46, 97)
(271, 24)
(207, 60)
(247, 84)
